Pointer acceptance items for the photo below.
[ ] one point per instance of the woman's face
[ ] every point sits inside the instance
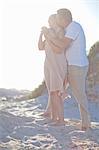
(52, 23)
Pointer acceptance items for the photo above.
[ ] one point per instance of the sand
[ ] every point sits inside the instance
(23, 128)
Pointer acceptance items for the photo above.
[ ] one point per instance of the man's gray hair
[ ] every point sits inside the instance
(65, 12)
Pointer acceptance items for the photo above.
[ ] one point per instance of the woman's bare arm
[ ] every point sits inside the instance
(41, 43)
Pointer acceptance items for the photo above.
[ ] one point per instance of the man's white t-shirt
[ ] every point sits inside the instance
(76, 53)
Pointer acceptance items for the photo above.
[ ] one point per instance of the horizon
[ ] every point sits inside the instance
(21, 62)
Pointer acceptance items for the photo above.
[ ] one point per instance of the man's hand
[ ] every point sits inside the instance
(63, 43)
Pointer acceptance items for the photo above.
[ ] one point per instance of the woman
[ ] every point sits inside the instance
(55, 71)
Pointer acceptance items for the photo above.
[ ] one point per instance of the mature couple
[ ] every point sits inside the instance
(65, 62)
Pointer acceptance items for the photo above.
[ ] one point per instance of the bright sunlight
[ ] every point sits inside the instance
(21, 63)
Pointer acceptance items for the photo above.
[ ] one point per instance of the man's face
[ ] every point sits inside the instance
(61, 20)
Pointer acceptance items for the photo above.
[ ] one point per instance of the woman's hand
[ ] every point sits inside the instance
(45, 30)
(41, 34)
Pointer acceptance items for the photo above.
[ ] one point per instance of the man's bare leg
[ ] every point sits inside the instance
(77, 77)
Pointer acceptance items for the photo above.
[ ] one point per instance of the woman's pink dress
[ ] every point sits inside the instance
(55, 69)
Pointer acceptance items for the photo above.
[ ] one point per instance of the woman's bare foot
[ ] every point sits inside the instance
(46, 114)
(61, 122)
(58, 123)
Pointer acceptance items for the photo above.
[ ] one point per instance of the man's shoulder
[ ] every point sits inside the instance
(74, 26)
(77, 24)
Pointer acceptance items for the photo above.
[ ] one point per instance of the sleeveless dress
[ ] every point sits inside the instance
(55, 69)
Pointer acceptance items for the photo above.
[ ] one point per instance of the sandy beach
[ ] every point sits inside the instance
(23, 128)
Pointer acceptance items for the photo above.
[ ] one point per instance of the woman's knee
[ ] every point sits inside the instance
(54, 93)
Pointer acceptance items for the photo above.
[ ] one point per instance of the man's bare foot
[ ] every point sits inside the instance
(83, 128)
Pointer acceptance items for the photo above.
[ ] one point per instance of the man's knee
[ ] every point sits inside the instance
(79, 93)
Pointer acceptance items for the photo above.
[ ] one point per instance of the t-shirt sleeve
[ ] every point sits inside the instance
(72, 31)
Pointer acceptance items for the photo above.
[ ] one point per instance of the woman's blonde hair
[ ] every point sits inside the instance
(52, 17)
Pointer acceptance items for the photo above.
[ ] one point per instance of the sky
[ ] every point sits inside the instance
(21, 63)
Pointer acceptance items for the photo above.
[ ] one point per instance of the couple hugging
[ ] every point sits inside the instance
(65, 62)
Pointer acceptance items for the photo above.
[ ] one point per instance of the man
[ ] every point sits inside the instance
(75, 45)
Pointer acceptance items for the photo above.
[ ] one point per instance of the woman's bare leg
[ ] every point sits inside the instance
(57, 109)
(48, 110)
(53, 101)
(60, 109)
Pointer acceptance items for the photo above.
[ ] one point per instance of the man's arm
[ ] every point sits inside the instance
(54, 47)
(63, 43)
(58, 44)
